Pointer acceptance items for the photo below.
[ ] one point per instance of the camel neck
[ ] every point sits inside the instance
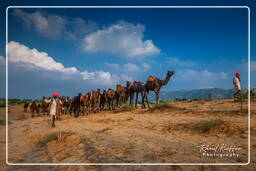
(166, 80)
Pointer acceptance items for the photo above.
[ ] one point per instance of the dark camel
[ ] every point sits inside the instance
(127, 91)
(138, 87)
(155, 84)
(103, 100)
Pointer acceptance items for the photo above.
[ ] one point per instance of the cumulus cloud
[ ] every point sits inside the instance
(122, 39)
(53, 26)
(174, 61)
(28, 58)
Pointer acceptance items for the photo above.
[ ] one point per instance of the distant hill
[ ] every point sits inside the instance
(216, 93)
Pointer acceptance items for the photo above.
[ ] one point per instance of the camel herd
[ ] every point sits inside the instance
(110, 99)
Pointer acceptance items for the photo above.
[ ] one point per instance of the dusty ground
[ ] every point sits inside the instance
(139, 136)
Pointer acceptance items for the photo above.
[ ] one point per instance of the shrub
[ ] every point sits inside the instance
(161, 106)
(124, 108)
(2, 105)
(205, 126)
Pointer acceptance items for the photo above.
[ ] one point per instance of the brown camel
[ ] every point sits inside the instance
(86, 99)
(34, 108)
(111, 94)
(95, 100)
(155, 84)
(120, 94)
(45, 107)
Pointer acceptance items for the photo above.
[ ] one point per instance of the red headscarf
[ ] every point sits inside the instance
(55, 94)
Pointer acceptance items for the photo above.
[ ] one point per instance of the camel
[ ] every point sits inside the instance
(138, 87)
(34, 108)
(45, 106)
(127, 90)
(103, 99)
(111, 94)
(76, 105)
(26, 105)
(95, 100)
(120, 94)
(85, 100)
(155, 84)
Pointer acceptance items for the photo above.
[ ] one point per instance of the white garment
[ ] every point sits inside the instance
(236, 83)
(53, 107)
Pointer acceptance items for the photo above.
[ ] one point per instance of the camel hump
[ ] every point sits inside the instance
(151, 78)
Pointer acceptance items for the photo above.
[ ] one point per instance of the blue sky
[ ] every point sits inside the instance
(77, 50)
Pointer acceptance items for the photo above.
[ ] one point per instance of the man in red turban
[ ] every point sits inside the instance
(237, 86)
(55, 107)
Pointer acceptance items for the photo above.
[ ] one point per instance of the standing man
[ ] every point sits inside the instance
(55, 107)
(237, 86)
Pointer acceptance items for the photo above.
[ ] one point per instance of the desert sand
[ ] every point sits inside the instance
(171, 134)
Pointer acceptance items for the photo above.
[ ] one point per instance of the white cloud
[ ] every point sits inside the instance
(52, 25)
(20, 53)
(174, 61)
(33, 59)
(122, 39)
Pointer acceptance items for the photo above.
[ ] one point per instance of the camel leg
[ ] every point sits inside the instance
(157, 97)
(131, 98)
(146, 96)
(117, 101)
(137, 94)
(142, 100)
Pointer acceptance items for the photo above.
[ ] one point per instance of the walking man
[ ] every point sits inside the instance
(55, 107)
(237, 86)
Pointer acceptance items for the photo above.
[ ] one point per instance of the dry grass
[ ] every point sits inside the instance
(161, 106)
(55, 136)
(124, 108)
(2, 121)
(21, 117)
(207, 125)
